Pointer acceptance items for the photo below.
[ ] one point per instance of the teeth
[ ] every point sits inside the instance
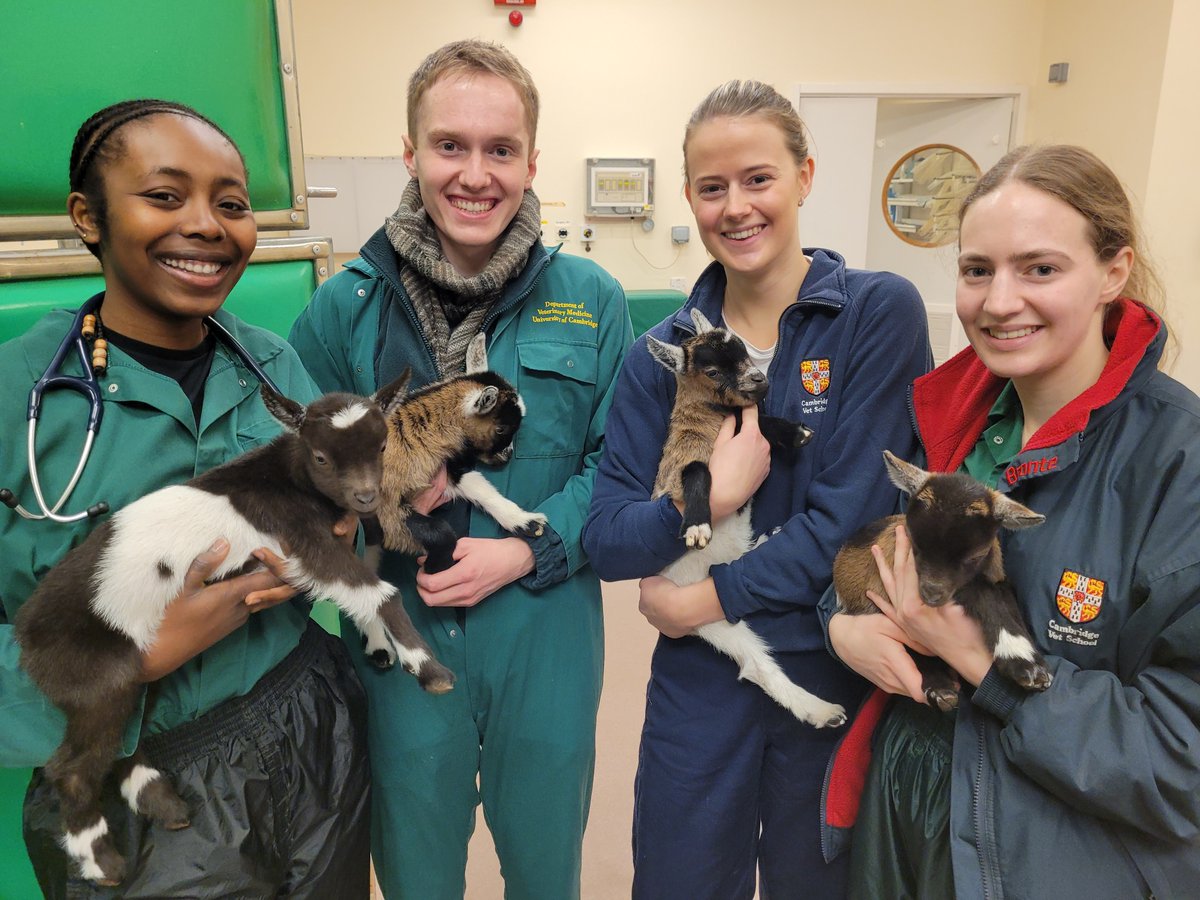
(475, 206)
(742, 235)
(1008, 335)
(191, 265)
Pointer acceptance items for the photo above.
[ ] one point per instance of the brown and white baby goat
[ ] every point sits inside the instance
(714, 377)
(458, 423)
(953, 522)
(85, 627)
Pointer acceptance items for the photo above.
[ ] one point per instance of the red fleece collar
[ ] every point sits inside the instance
(951, 403)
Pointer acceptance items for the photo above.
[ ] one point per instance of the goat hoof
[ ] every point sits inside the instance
(835, 719)
(943, 698)
(111, 865)
(1034, 677)
(698, 536)
(162, 805)
(381, 659)
(438, 680)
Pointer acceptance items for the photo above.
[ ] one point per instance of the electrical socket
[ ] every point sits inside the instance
(587, 233)
(562, 231)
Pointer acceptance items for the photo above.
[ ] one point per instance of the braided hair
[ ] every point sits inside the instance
(98, 139)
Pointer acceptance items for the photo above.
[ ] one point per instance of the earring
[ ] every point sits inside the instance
(801, 203)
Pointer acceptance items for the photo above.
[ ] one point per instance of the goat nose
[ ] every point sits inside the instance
(364, 497)
(757, 376)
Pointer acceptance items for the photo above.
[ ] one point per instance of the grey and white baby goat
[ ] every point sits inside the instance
(953, 522)
(714, 377)
(84, 629)
(458, 423)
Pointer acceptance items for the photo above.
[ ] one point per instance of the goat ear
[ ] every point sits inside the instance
(667, 354)
(698, 319)
(485, 401)
(287, 411)
(1013, 515)
(390, 395)
(477, 360)
(904, 475)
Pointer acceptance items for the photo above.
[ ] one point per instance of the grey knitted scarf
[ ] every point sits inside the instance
(451, 307)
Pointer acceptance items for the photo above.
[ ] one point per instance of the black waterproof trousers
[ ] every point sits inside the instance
(901, 846)
(278, 785)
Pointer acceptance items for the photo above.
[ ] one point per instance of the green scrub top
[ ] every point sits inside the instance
(1000, 442)
(148, 438)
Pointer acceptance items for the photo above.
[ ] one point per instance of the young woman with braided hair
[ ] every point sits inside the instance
(259, 719)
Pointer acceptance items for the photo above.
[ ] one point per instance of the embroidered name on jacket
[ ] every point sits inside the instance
(566, 313)
(1013, 474)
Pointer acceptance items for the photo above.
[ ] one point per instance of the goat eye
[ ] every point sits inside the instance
(383, 447)
(320, 459)
(712, 372)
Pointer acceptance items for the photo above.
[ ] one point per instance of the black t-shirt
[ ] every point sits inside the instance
(188, 367)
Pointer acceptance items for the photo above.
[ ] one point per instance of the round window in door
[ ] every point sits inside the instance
(923, 192)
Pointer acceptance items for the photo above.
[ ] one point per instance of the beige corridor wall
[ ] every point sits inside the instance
(619, 78)
(1172, 211)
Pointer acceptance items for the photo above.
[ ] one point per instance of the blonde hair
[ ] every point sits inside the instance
(1080, 179)
(473, 57)
(735, 98)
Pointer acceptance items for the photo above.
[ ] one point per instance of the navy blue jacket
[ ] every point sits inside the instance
(1092, 788)
(848, 349)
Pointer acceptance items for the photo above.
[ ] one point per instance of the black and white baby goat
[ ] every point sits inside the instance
(459, 422)
(83, 631)
(714, 377)
(953, 522)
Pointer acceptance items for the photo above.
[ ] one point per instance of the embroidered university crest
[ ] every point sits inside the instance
(1079, 597)
(814, 375)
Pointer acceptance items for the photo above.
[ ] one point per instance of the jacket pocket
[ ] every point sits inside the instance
(557, 381)
(256, 433)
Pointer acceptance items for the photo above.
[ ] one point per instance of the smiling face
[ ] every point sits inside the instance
(744, 186)
(177, 231)
(1032, 292)
(473, 158)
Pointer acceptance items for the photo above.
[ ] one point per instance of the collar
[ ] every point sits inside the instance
(950, 405)
(824, 286)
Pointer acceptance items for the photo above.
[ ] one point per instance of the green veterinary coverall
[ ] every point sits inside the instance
(138, 449)
(528, 658)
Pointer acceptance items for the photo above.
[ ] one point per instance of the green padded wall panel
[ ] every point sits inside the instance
(65, 59)
(648, 308)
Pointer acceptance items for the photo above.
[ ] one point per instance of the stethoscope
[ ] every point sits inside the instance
(87, 385)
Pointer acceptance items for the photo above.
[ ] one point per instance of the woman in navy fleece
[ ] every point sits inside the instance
(729, 782)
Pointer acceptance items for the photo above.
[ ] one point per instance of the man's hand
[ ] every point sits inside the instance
(482, 566)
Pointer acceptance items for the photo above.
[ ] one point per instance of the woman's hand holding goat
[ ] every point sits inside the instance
(947, 631)
(204, 613)
(739, 464)
(481, 567)
(676, 611)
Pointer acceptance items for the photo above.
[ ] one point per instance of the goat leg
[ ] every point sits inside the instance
(414, 654)
(436, 537)
(696, 481)
(77, 770)
(1016, 657)
(782, 434)
(472, 486)
(938, 681)
(150, 793)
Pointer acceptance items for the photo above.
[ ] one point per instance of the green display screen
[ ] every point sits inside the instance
(62, 60)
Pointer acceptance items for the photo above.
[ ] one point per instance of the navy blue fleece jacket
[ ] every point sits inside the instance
(848, 349)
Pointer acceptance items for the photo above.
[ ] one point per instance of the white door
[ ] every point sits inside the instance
(857, 138)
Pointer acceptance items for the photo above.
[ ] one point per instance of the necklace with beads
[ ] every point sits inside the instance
(93, 332)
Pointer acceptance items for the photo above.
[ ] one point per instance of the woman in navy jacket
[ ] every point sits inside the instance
(728, 781)
(1092, 788)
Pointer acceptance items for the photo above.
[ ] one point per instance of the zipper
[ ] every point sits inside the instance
(984, 842)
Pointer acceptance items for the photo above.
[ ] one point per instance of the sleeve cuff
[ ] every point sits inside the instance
(998, 695)
(549, 560)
